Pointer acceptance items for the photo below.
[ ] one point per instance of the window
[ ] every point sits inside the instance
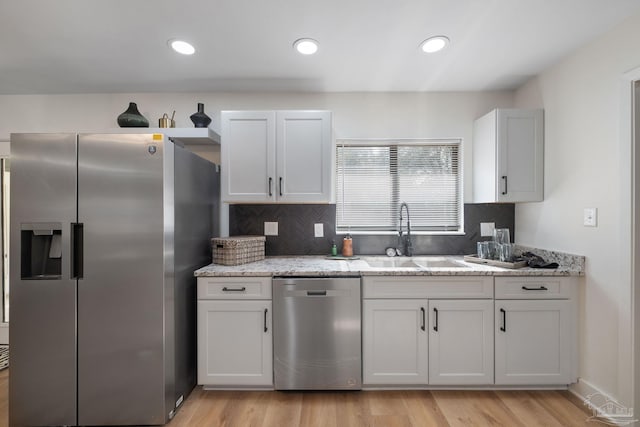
(373, 177)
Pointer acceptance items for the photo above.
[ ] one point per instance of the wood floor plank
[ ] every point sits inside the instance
(318, 409)
(423, 409)
(352, 410)
(469, 408)
(391, 421)
(389, 402)
(561, 408)
(284, 410)
(245, 409)
(527, 409)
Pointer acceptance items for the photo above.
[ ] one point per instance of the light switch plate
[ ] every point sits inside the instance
(486, 228)
(270, 228)
(590, 217)
(318, 230)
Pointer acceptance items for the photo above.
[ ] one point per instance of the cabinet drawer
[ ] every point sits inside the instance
(234, 288)
(535, 287)
(427, 287)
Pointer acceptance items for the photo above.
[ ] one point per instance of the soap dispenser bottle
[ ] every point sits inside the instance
(347, 246)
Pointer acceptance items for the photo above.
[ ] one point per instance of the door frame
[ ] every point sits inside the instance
(630, 236)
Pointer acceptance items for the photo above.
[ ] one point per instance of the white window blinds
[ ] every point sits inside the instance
(374, 177)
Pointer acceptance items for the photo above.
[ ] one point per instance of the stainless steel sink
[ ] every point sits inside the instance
(413, 262)
(390, 263)
(437, 262)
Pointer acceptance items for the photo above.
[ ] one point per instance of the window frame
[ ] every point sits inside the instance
(385, 142)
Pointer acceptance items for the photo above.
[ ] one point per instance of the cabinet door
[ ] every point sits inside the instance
(460, 342)
(520, 155)
(533, 342)
(235, 343)
(394, 342)
(304, 156)
(248, 160)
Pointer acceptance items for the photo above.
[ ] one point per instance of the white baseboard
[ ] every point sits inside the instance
(4, 333)
(603, 407)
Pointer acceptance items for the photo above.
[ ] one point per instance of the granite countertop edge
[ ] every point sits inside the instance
(320, 266)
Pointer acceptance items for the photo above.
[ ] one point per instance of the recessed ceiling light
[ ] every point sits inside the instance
(182, 47)
(306, 46)
(434, 44)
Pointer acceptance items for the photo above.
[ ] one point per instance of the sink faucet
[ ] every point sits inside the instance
(405, 240)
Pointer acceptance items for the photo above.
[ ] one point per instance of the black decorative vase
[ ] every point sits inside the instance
(132, 118)
(199, 118)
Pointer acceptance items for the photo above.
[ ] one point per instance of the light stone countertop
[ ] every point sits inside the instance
(320, 266)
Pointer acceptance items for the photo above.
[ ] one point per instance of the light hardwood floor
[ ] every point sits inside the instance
(369, 408)
(418, 408)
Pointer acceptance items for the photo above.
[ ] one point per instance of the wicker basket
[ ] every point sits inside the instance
(237, 250)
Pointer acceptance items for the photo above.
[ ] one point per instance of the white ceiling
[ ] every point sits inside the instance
(108, 46)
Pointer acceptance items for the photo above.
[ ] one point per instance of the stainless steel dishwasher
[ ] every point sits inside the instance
(317, 334)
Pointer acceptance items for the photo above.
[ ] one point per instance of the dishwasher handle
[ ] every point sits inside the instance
(305, 293)
(316, 293)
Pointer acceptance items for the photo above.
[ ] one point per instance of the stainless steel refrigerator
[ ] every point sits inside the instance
(106, 231)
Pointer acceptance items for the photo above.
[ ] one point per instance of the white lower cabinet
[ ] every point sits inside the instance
(535, 331)
(533, 342)
(436, 331)
(460, 342)
(468, 331)
(394, 341)
(235, 347)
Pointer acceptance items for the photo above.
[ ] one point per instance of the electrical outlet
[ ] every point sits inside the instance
(270, 228)
(318, 230)
(590, 217)
(486, 228)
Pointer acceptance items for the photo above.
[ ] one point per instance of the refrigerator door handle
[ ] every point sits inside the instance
(77, 258)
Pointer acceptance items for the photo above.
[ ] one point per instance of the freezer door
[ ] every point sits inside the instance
(121, 364)
(42, 390)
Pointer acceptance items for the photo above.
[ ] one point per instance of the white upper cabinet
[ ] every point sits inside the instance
(276, 156)
(508, 150)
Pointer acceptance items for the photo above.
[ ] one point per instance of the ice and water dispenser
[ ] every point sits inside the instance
(41, 251)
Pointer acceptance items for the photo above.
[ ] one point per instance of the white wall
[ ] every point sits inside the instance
(361, 115)
(587, 164)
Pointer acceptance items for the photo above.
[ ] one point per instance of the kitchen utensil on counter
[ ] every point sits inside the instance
(166, 122)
